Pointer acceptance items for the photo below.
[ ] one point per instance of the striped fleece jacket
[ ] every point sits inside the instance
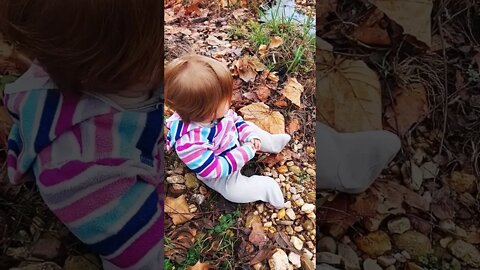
(98, 168)
(212, 152)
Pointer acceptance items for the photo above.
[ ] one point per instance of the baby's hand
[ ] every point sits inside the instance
(257, 144)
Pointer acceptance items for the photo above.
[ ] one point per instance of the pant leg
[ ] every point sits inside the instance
(242, 189)
(271, 143)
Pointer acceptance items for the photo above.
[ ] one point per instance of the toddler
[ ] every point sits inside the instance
(211, 139)
(88, 118)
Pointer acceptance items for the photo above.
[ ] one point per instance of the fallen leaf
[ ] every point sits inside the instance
(177, 209)
(275, 42)
(264, 253)
(262, 50)
(429, 170)
(348, 95)
(247, 68)
(263, 92)
(261, 115)
(214, 41)
(409, 107)
(273, 159)
(272, 76)
(239, 13)
(293, 126)
(293, 91)
(281, 103)
(257, 235)
(412, 15)
(365, 204)
(200, 266)
(371, 31)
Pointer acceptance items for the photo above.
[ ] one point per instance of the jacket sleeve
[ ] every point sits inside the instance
(245, 131)
(199, 157)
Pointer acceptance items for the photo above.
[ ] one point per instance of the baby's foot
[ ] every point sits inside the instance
(279, 141)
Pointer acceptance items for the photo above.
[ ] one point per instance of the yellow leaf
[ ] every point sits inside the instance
(293, 91)
(348, 95)
(412, 15)
(261, 115)
(200, 266)
(177, 209)
(275, 42)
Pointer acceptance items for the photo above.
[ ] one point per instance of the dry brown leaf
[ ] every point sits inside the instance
(262, 50)
(410, 106)
(371, 31)
(213, 40)
(239, 13)
(257, 235)
(261, 115)
(293, 91)
(275, 42)
(293, 126)
(365, 204)
(263, 92)
(177, 209)
(273, 76)
(247, 68)
(348, 95)
(412, 15)
(281, 103)
(201, 266)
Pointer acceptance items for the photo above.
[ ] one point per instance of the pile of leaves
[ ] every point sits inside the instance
(410, 67)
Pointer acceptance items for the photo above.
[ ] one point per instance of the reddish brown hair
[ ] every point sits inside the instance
(96, 45)
(196, 86)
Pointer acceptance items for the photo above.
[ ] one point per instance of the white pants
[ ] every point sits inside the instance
(242, 189)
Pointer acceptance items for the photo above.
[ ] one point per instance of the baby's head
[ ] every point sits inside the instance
(198, 88)
(106, 46)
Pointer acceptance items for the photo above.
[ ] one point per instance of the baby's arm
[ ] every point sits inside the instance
(245, 131)
(203, 161)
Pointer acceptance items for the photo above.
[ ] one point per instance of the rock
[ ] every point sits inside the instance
(327, 244)
(371, 265)
(294, 258)
(281, 214)
(288, 204)
(295, 170)
(279, 260)
(282, 169)
(462, 182)
(385, 261)
(176, 179)
(308, 208)
(300, 202)
(415, 243)
(413, 266)
(40, 266)
(191, 181)
(328, 258)
(391, 267)
(297, 243)
(177, 189)
(290, 214)
(47, 248)
(373, 223)
(349, 256)
(399, 257)
(286, 223)
(374, 244)
(88, 261)
(198, 198)
(399, 225)
(466, 252)
(311, 172)
(308, 225)
(268, 224)
(445, 241)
